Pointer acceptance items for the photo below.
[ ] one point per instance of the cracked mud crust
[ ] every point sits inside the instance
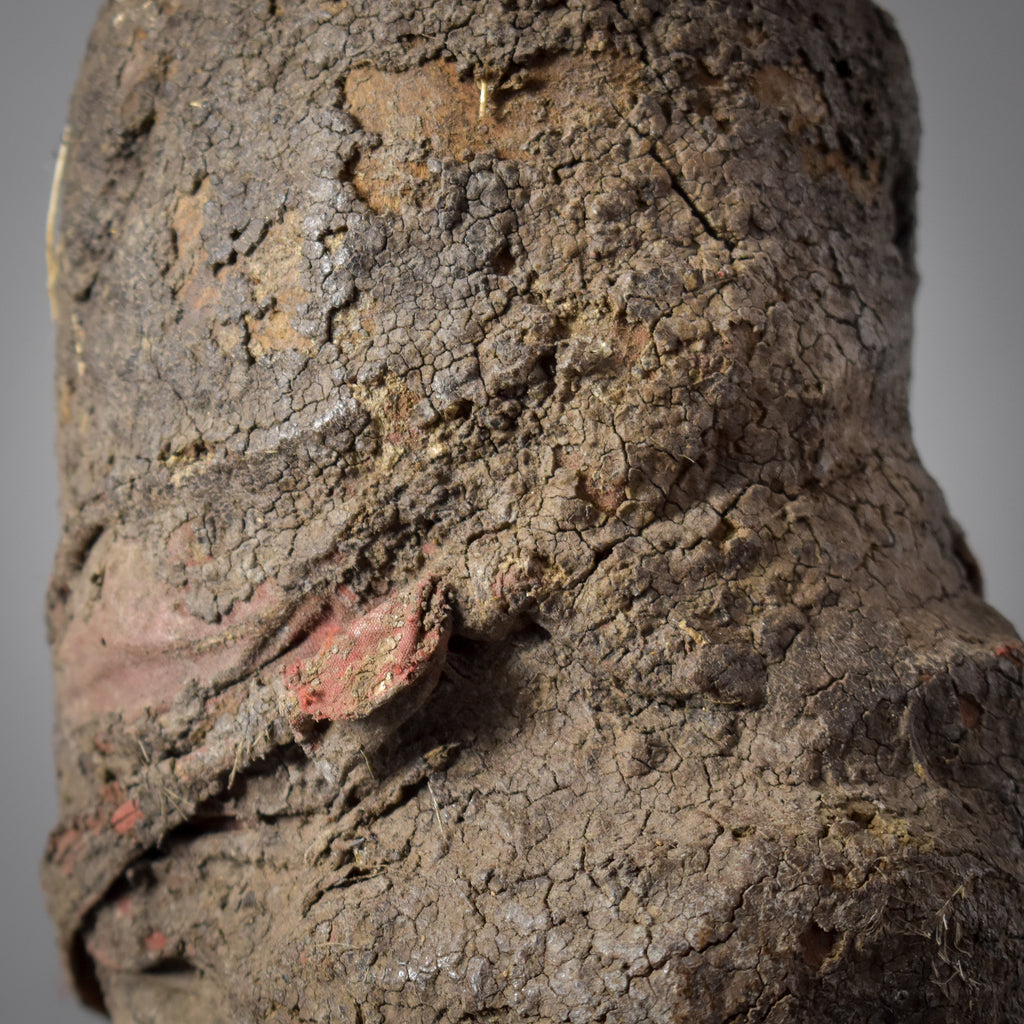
(497, 582)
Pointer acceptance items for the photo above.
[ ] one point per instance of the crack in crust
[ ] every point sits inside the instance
(584, 419)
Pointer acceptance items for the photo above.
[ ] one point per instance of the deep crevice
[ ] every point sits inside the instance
(702, 219)
(177, 965)
(699, 214)
(199, 825)
(81, 547)
(84, 977)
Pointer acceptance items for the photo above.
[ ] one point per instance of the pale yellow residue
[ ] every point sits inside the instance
(485, 98)
(694, 635)
(52, 260)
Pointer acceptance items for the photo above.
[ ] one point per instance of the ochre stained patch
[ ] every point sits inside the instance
(199, 290)
(610, 348)
(272, 274)
(275, 270)
(188, 218)
(793, 92)
(391, 403)
(432, 104)
(191, 277)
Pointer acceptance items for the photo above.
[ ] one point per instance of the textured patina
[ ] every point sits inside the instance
(498, 582)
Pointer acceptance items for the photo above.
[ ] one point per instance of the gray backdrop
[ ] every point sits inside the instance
(969, 368)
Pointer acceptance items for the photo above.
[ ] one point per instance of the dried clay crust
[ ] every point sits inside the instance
(497, 581)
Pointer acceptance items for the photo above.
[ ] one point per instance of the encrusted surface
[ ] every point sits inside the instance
(554, 356)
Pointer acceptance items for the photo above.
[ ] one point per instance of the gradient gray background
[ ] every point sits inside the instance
(966, 407)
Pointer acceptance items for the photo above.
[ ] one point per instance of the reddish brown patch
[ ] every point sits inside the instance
(970, 712)
(156, 942)
(512, 587)
(605, 498)
(187, 219)
(68, 845)
(226, 703)
(629, 342)
(400, 400)
(126, 817)
(358, 663)
(112, 794)
(592, 487)
(391, 403)
(1011, 652)
(192, 277)
(183, 547)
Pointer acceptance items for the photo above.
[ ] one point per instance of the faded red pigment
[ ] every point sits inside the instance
(126, 817)
(361, 663)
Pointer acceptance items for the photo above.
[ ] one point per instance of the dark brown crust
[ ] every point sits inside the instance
(618, 363)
